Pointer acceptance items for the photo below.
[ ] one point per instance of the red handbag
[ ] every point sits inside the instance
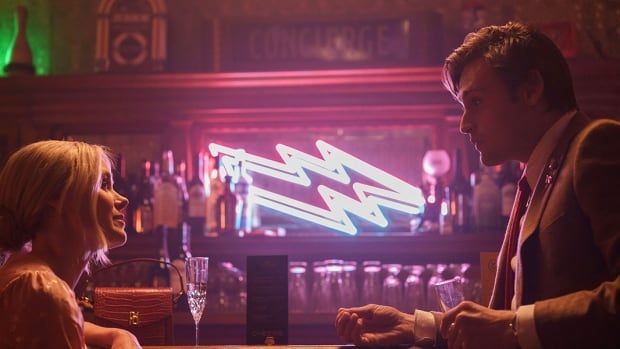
(145, 312)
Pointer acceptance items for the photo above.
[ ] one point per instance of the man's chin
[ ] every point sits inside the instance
(490, 160)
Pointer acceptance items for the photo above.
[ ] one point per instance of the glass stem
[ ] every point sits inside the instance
(196, 333)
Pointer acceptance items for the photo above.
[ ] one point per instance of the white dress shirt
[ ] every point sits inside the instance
(424, 325)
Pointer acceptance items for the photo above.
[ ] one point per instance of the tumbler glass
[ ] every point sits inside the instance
(372, 282)
(392, 292)
(297, 292)
(413, 293)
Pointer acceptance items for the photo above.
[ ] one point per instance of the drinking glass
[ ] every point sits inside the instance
(372, 282)
(297, 292)
(197, 271)
(392, 292)
(413, 288)
(449, 293)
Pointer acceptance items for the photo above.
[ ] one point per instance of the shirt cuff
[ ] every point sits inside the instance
(526, 328)
(424, 328)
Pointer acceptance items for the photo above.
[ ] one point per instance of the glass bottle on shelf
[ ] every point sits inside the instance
(460, 197)
(226, 206)
(486, 202)
(180, 252)
(168, 196)
(167, 206)
(507, 181)
(19, 55)
(445, 217)
(160, 274)
(143, 214)
(244, 208)
(216, 188)
(197, 201)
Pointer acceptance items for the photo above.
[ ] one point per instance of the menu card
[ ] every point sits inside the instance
(267, 308)
(488, 268)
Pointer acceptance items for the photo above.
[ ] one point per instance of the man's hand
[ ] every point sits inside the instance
(470, 325)
(374, 325)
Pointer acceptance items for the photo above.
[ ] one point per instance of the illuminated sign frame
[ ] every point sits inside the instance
(396, 194)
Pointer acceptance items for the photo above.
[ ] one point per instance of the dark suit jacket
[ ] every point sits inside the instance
(569, 245)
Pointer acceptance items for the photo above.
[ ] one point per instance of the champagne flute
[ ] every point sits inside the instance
(197, 271)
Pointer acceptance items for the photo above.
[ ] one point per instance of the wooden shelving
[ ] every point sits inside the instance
(397, 248)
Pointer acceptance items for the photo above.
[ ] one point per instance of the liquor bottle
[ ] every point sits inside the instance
(245, 210)
(167, 206)
(143, 214)
(460, 197)
(160, 274)
(180, 251)
(181, 177)
(19, 57)
(197, 201)
(226, 207)
(445, 218)
(507, 181)
(216, 188)
(155, 175)
(168, 196)
(486, 202)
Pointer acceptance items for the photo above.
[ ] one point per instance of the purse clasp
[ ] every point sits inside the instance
(134, 318)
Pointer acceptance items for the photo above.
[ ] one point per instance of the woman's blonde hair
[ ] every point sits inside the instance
(53, 175)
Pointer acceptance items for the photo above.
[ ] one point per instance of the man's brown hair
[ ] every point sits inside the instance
(513, 50)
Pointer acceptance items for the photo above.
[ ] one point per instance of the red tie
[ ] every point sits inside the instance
(514, 224)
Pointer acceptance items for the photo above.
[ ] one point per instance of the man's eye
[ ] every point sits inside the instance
(476, 102)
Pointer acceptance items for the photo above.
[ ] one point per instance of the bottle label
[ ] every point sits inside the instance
(166, 205)
(197, 204)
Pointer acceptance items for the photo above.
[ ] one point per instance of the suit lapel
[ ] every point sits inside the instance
(546, 180)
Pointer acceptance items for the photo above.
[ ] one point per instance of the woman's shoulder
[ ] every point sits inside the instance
(33, 282)
(41, 308)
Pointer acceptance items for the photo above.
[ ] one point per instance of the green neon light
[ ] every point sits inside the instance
(37, 31)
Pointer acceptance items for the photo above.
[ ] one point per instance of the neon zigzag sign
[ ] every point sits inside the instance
(399, 195)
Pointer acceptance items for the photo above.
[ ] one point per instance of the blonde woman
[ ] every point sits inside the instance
(58, 212)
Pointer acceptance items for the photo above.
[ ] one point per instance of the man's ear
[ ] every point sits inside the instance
(533, 88)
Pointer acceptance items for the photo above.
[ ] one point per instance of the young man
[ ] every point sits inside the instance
(558, 276)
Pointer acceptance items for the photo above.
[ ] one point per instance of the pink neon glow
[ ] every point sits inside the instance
(393, 192)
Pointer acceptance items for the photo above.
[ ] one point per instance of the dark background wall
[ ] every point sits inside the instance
(62, 33)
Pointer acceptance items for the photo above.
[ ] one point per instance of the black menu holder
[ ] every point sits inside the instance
(267, 307)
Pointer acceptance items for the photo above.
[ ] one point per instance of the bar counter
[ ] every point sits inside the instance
(279, 346)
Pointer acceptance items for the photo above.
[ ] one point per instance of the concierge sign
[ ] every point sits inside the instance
(278, 44)
(372, 190)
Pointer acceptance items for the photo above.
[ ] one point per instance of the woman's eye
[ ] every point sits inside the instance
(105, 184)
(476, 102)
